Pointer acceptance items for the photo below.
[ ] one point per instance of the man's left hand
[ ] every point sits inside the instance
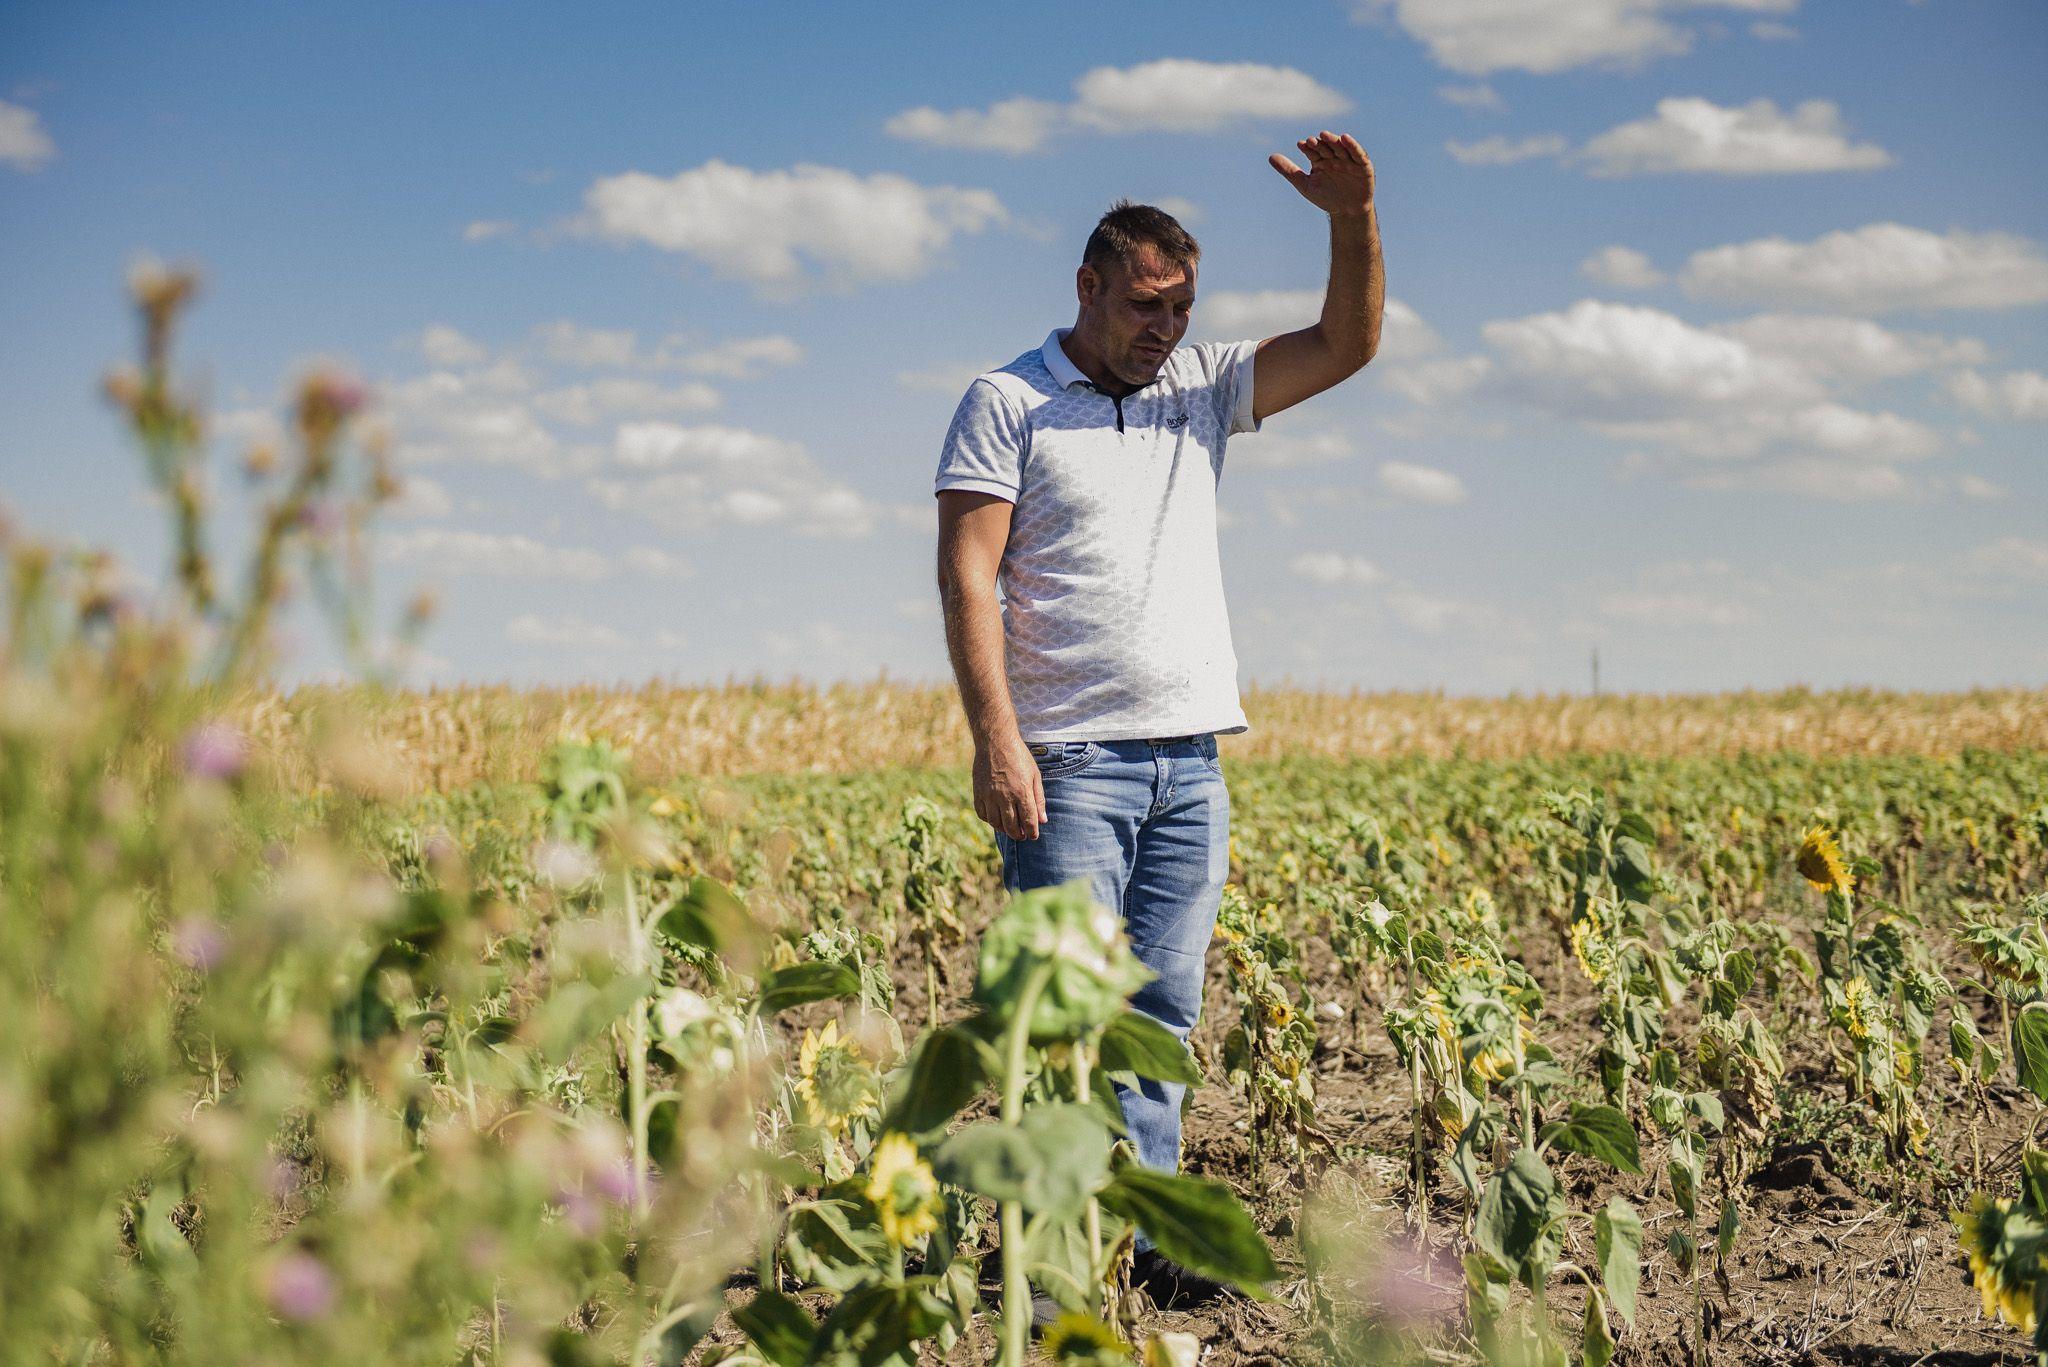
(1339, 176)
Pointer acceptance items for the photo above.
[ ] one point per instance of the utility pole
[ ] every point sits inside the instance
(1596, 671)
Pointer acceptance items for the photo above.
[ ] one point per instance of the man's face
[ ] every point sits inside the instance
(1136, 313)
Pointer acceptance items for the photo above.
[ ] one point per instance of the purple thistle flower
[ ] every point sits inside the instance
(321, 517)
(215, 750)
(199, 943)
(300, 1287)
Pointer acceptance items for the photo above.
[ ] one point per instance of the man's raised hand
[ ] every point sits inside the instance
(1339, 176)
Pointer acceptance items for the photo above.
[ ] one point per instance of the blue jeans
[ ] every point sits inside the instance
(1148, 825)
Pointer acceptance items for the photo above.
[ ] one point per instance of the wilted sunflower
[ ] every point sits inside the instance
(833, 1079)
(1820, 862)
(2004, 1249)
(1083, 1339)
(1591, 949)
(1859, 1006)
(1279, 1012)
(904, 1191)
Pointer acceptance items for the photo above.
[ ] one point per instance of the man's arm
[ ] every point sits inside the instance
(1294, 365)
(973, 530)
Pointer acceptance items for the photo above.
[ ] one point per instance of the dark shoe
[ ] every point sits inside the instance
(1045, 1312)
(1176, 1286)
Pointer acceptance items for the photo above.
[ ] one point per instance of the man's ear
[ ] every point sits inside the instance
(1086, 282)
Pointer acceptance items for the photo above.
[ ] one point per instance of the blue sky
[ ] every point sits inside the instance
(1716, 337)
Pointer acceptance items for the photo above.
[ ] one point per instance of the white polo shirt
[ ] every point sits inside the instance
(1114, 624)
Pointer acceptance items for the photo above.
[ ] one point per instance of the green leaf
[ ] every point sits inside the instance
(2030, 1048)
(1601, 1132)
(1052, 1161)
(1618, 1243)
(1194, 1221)
(1133, 1042)
(827, 1249)
(879, 1325)
(781, 1329)
(1519, 1217)
(947, 1070)
(1724, 1233)
(709, 916)
(1596, 1345)
(577, 1011)
(815, 981)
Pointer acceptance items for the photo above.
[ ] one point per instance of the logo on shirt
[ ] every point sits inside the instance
(1177, 421)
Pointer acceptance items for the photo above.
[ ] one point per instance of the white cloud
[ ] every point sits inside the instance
(1331, 567)
(1421, 483)
(656, 563)
(1674, 609)
(1476, 96)
(1015, 126)
(1288, 450)
(2017, 395)
(1237, 314)
(504, 555)
(574, 344)
(688, 478)
(1697, 135)
(782, 231)
(615, 396)
(484, 229)
(1771, 31)
(419, 497)
(2012, 557)
(569, 633)
(1621, 361)
(1876, 269)
(1178, 95)
(1850, 349)
(743, 358)
(1430, 384)
(1976, 486)
(1843, 481)
(1477, 37)
(24, 144)
(482, 416)
(445, 346)
(1185, 211)
(1499, 151)
(1622, 267)
(1171, 95)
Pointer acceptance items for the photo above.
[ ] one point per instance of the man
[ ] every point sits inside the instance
(1081, 477)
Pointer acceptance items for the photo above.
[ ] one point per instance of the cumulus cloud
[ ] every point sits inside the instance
(1477, 96)
(1288, 450)
(1881, 268)
(1421, 483)
(568, 633)
(1622, 267)
(1499, 151)
(2016, 396)
(24, 143)
(1853, 350)
(1478, 37)
(1171, 95)
(1674, 609)
(784, 231)
(688, 478)
(1433, 383)
(943, 378)
(615, 396)
(1335, 568)
(447, 346)
(743, 358)
(484, 229)
(1236, 314)
(1697, 135)
(449, 551)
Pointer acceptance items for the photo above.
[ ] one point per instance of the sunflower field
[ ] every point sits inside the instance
(373, 1026)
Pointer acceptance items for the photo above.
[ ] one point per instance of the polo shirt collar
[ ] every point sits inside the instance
(1064, 372)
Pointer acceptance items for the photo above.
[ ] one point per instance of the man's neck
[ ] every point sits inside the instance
(1088, 361)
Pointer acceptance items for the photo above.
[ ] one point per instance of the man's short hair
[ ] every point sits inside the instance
(1120, 232)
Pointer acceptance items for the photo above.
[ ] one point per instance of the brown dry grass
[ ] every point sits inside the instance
(443, 739)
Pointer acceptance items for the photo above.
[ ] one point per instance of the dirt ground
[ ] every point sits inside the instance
(1830, 1266)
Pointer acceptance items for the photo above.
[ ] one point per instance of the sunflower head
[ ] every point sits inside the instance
(1083, 1339)
(1859, 1006)
(1820, 862)
(833, 1078)
(904, 1191)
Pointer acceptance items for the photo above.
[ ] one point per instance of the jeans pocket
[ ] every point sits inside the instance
(1064, 758)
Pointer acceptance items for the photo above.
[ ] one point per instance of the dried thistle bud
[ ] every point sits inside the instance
(423, 606)
(261, 461)
(327, 398)
(158, 289)
(123, 387)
